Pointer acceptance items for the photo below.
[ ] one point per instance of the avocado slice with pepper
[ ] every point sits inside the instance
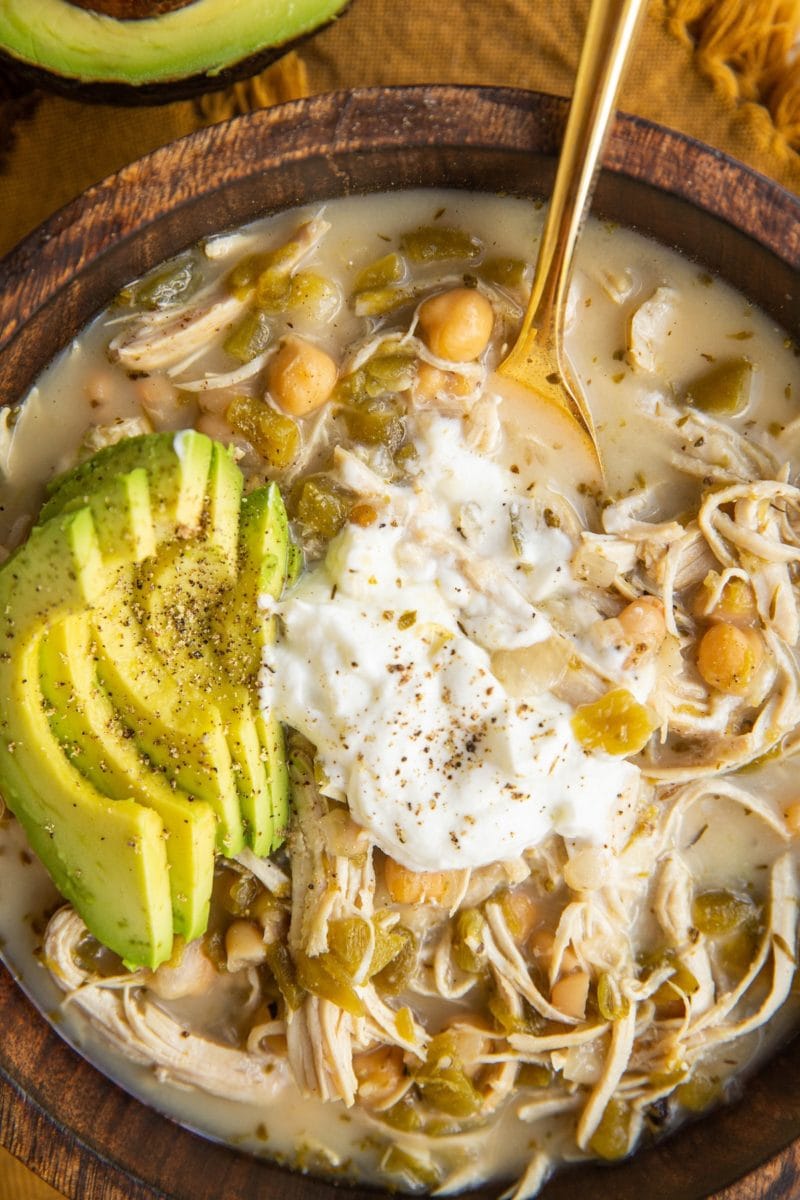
(108, 857)
(200, 606)
(125, 716)
(83, 719)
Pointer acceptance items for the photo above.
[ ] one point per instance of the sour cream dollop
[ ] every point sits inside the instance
(383, 662)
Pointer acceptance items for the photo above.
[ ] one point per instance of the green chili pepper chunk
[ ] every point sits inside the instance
(379, 274)
(166, 287)
(438, 243)
(249, 338)
(320, 506)
(275, 436)
(724, 389)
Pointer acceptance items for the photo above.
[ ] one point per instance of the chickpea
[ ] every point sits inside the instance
(215, 426)
(300, 377)
(643, 624)
(521, 913)
(736, 604)
(244, 945)
(379, 1074)
(456, 325)
(541, 944)
(471, 1042)
(162, 403)
(792, 816)
(728, 657)
(433, 382)
(570, 993)
(418, 887)
(190, 972)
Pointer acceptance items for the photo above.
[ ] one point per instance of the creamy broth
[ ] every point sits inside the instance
(645, 328)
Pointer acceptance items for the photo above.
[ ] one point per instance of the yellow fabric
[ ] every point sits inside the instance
(18, 1184)
(720, 70)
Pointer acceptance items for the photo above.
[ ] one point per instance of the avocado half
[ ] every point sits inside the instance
(153, 52)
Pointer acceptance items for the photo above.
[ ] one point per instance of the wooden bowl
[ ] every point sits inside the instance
(64, 1119)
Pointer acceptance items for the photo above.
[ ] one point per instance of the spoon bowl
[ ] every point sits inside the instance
(536, 362)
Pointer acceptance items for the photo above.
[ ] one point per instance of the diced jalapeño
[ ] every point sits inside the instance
(439, 243)
(724, 389)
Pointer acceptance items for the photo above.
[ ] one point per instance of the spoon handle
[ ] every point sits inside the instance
(609, 35)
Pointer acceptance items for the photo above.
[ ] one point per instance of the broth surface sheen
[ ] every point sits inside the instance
(538, 899)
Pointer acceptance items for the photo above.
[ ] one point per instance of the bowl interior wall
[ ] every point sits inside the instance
(712, 242)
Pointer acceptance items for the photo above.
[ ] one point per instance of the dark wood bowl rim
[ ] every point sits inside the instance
(89, 1154)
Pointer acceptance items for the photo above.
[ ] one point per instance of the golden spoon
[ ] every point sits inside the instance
(537, 362)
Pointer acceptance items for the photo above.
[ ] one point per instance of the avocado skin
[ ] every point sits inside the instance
(163, 92)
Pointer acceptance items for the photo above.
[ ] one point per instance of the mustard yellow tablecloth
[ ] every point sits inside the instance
(717, 69)
(720, 70)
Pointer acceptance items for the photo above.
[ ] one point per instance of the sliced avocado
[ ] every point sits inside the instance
(264, 552)
(122, 518)
(183, 590)
(273, 745)
(116, 679)
(60, 568)
(268, 561)
(168, 55)
(107, 857)
(182, 736)
(86, 725)
(177, 467)
(186, 597)
(223, 503)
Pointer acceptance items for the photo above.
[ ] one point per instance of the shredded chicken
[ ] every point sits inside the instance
(125, 1016)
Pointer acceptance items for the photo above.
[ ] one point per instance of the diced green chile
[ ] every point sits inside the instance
(391, 372)
(320, 506)
(282, 967)
(468, 950)
(273, 434)
(166, 287)
(438, 243)
(395, 977)
(719, 911)
(379, 274)
(250, 337)
(377, 302)
(724, 389)
(507, 272)
(443, 1081)
(375, 423)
